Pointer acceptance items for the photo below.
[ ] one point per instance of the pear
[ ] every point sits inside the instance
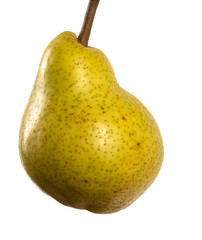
(83, 139)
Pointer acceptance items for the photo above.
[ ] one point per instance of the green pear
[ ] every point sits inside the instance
(84, 140)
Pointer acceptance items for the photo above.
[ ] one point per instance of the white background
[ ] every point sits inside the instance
(155, 48)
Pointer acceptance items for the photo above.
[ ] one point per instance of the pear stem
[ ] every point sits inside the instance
(88, 22)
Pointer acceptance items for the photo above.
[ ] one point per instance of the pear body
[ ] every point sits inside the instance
(84, 140)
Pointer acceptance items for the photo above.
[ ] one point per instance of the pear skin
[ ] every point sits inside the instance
(84, 140)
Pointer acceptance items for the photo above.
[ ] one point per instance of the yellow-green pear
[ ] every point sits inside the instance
(84, 140)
